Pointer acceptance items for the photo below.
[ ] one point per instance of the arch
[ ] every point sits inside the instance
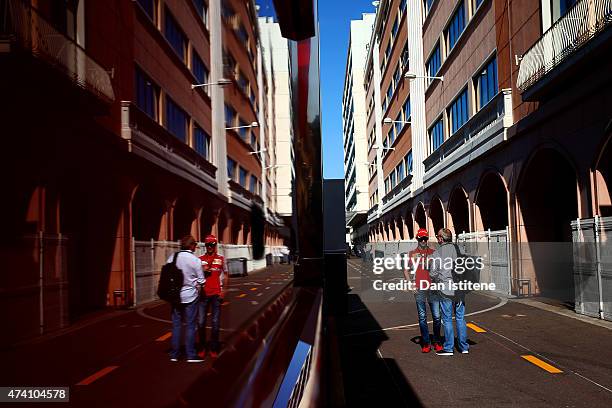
(223, 234)
(409, 224)
(602, 179)
(491, 203)
(547, 196)
(148, 210)
(459, 210)
(182, 220)
(399, 223)
(436, 214)
(420, 216)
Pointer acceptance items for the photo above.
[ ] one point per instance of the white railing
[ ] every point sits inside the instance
(581, 23)
(37, 35)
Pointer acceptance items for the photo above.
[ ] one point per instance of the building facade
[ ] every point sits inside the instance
(356, 166)
(491, 115)
(134, 123)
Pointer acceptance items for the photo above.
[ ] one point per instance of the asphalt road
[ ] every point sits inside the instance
(121, 358)
(520, 356)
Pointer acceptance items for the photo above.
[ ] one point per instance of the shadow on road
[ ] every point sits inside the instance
(370, 378)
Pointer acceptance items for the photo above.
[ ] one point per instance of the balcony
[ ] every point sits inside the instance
(583, 22)
(243, 192)
(399, 188)
(23, 28)
(151, 141)
(481, 133)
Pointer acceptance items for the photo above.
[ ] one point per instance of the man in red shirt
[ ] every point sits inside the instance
(215, 272)
(418, 262)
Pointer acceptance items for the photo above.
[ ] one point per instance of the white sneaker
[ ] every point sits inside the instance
(195, 360)
(465, 352)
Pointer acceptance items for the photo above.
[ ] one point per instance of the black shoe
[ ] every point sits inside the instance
(444, 353)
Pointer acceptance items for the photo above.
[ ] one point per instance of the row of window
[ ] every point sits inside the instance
(398, 125)
(399, 173)
(233, 119)
(452, 32)
(241, 176)
(232, 69)
(458, 111)
(393, 36)
(232, 20)
(176, 120)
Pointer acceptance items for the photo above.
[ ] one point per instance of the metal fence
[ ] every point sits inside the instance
(494, 248)
(150, 256)
(592, 239)
(34, 286)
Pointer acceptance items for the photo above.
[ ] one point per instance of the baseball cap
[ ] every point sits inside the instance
(422, 233)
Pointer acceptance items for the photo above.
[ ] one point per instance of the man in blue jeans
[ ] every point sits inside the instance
(418, 274)
(187, 310)
(441, 272)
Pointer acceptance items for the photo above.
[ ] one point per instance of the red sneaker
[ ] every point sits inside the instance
(202, 354)
(426, 348)
(438, 347)
(214, 354)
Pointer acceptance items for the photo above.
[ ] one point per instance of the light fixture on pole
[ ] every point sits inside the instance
(389, 121)
(412, 75)
(383, 147)
(368, 164)
(259, 151)
(252, 125)
(221, 82)
(275, 166)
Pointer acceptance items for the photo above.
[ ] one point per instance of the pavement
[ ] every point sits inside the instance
(521, 355)
(121, 359)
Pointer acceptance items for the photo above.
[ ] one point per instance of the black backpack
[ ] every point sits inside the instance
(471, 274)
(170, 282)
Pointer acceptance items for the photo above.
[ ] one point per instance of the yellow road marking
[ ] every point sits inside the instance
(225, 303)
(542, 364)
(241, 295)
(476, 328)
(253, 288)
(97, 375)
(164, 337)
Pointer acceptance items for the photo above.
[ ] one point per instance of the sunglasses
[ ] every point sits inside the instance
(210, 244)
(422, 239)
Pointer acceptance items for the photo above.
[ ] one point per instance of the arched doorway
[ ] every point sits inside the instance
(420, 217)
(183, 218)
(409, 223)
(603, 181)
(436, 214)
(459, 211)
(147, 213)
(548, 202)
(491, 203)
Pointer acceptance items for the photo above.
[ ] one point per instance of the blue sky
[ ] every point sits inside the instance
(334, 23)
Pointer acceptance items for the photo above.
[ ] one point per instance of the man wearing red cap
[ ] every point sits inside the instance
(418, 262)
(215, 271)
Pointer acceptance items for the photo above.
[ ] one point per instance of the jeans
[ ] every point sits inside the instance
(423, 297)
(189, 313)
(215, 304)
(447, 306)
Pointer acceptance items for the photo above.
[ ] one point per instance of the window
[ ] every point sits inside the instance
(227, 11)
(253, 185)
(199, 70)
(394, 29)
(404, 58)
(456, 26)
(434, 62)
(254, 141)
(243, 130)
(387, 54)
(149, 7)
(175, 36)
(242, 177)
(231, 169)
(202, 9)
(242, 34)
(436, 135)
(458, 111)
(401, 174)
(230, 114)
(408, 161)
(392, 180)
(478, 3)
(396, 77)
(398, 124)
(201, 142)
(176, 120)
(402, 6)
(147, 94)
(406, 110)
(486, 83)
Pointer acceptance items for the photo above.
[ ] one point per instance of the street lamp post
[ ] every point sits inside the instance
(221, 82)
(252, 125)
(412, 75)
(389, 121)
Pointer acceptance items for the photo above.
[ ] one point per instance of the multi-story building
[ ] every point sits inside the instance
(491, 117)
(275, 52)
(356, 166)
(134, 123)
